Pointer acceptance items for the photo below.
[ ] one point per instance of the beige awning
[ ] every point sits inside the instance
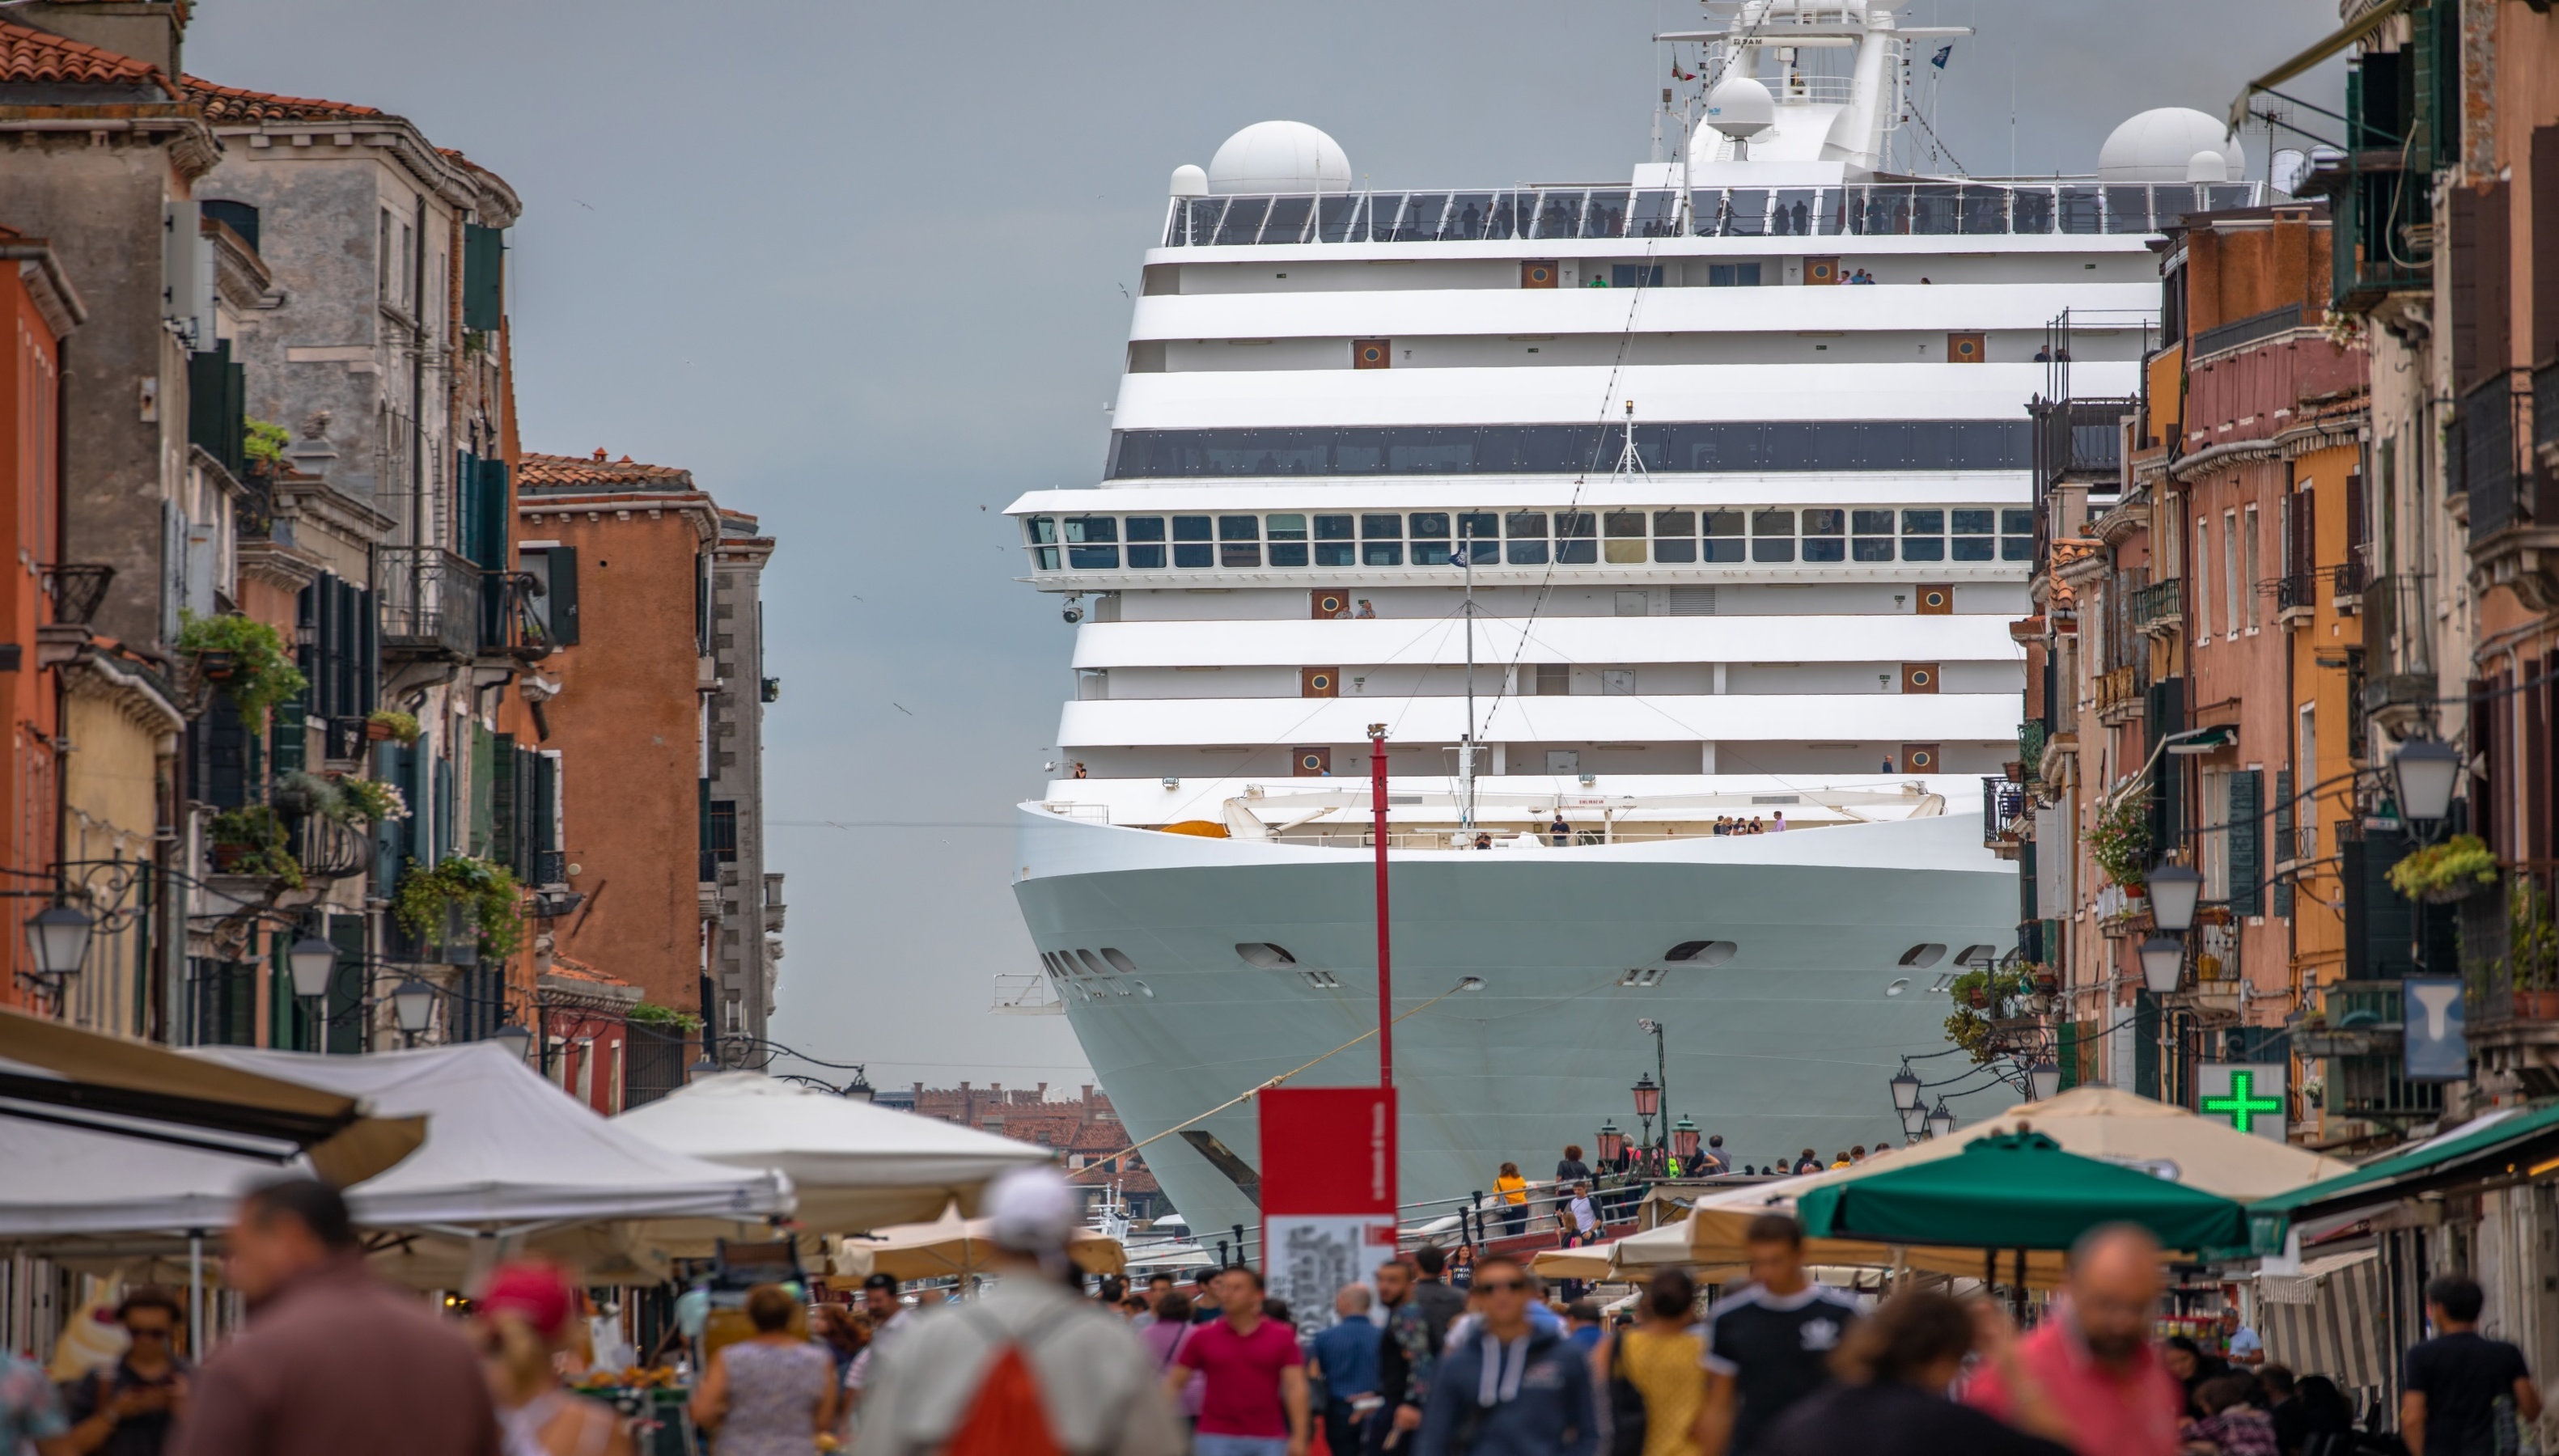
(954, 1245)
(95, 1079)
(2353, 31)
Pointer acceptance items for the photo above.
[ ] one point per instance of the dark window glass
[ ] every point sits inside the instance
(1527, 553)
(1871, 548)
(1935, 210)
(1825, 522)
(1432, 451)
(1871, 523)
(1381, 528)
(1429, 553)
(1381, 553)
(1608, 216)
(1723, 548)
(1430, 525)
(1972, 548)
(1525, 523)
(1478, 525)
(1231, 553)
(1794, 214)
(1655, 215)
(1089, 558)
(1287, 528)
(1679, 549)
(1332, 527)
(1336, 553)
(2128, 210)
(1239, 527)
(1579, 525)
(1335, 220)
(1767, 548)
(1204, 214)
(1287, 219)
(1468, 213)
(1923, 548)
(1745, 212)
(1242, 221)
(1923, 522)
(1194, 555)
(1190, 528)
(1825, 549)
(1287, 553)
(1773, 523)
(1865, 445)
(1146, 558)
(1624, 524)
(1145, 527)
(1042, 528)
(2031, 211)
(1732, 275)
(1634, 275)
(1974, 523)
(1576, 552)
(1722, 522)
(1421, 220)
(1047, 558)
(1559, 214)
(1091, 529)
(2014, 523)
(2016, 548)
(1674, 523)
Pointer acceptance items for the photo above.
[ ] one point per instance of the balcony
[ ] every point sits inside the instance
(2030, 752)
(2159, 608)
(2346, 587)
(2240, 333)
(2384, 230)
(2079, 439)
(2007, 813)
(2513, 496)
(2120, 694)
(2509, 950)
(2295, 597)
(2355, 1019)
(429, 601)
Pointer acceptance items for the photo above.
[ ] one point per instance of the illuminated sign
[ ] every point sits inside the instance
(2248, 1096)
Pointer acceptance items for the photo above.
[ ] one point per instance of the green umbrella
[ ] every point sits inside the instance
(2017, 1190)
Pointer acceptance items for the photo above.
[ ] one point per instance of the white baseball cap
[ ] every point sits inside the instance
(1033, 1210)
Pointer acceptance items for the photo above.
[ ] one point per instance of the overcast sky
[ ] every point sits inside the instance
(864, 268)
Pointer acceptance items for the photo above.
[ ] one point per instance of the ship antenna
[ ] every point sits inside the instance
(1631, 461)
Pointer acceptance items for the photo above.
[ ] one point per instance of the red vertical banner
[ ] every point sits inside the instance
(1329, 1193)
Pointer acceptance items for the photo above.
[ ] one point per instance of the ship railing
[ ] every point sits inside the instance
(1583, 212)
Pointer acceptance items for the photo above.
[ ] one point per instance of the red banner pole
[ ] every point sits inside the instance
(1385, 941)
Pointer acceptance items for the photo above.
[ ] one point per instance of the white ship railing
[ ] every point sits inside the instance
(1961, 208)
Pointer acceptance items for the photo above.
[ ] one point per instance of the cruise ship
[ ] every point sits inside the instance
(1628, 510)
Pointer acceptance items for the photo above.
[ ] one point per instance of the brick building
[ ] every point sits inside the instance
(1085, 1129)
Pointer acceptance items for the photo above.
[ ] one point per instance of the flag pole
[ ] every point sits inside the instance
(1385, 941)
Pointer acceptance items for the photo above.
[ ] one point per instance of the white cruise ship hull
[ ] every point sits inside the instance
(1789, 1044)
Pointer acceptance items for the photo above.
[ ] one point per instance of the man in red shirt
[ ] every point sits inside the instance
(1254, 1403)
(2093, 1360)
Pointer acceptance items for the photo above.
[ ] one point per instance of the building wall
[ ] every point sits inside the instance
(745, 965)
(30, 382)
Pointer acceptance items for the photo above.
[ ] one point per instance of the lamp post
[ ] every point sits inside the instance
(1914, 1120)
(2174, 890)
(414, 1005)
(2163, 961)
(2045, 1078)
(1661, 1073)
(516, 1039)
(2427, 768)
(1941, 1122)
(1683, 1141)
(1648, 1103)
(57, 942)
(1906, 1089)
(313, 961)
(1612, 1143)
(703, 1067)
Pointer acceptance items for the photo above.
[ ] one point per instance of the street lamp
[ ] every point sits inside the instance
(2174, 890)
(1683, 1141)
(1941, 1122)
(2427, 768)
(57, 941)
(1914, 1120)
(1612, 1143)
(414, 1005)
(1648, 1098)
(2045, 1079)
(1905, 1088)
(312, 961)
(2162, 960)
(516, 1039)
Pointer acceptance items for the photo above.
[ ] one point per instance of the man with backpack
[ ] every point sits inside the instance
(1033, 1369)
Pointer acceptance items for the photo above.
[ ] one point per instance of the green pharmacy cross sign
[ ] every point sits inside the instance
(2242, 1108)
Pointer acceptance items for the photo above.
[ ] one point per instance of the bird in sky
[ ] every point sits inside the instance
(901, 707)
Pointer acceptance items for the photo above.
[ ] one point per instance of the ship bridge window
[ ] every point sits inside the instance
(1287, 533)
(1732, 275)
(1654, 214)
(1243, 221)
(2017, 536)
(1287, 219)
(1146, 542)
(1263, 956)
(1333, 544)
(1674, 536)
(1576, 537)
(1092, 541)
(1524, 531)
(1187, 530)
(1239, 540)
(1430, 537)
(1382, 540)
(1723, 535)
(1772, 535)
(1871, 535)
(1923, 535)
(1825, 531)
(1745, 212)
(1798, 212)
(1338, 219)
(1974, 536)
(1559, 214)
(1626, 536)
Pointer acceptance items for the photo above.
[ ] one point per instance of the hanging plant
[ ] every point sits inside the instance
(254, 668)
(300, 792)
(250, 840)
(263, 440)
(662, 1018)
(373, 800)
(2120, 842)
(2531, 937)
(385, 724)
(2446, 872)
(486, 892)
(1981, 997)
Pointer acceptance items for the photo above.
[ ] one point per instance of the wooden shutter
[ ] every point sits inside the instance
(505, 805)
(1936, 601)
(1311, 763)
(1918, 678)
(2246, 843)
(1540, 273)
(1320, 683)
(1819, 271)
(497, 510)
(1327, 606)
(2287, 840)
(1919, 758)
(562, 595)
(1965, 349)
(2479, 284)
(484, 261)
(2545, 243)
(1372, 354)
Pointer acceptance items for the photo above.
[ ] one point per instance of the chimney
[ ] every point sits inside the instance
(1043, 1093)
(154, 33)
(1088, 1092)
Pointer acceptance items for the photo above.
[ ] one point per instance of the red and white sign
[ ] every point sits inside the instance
(1329, 1193)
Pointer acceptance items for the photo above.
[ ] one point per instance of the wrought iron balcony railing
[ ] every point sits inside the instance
(2297, 592)
(429, 601)
(2158, 607)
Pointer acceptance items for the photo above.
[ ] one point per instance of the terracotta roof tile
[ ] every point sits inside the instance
(234, 103)
(2067, 552)
(31, 54)
(578, 970)
(594, 472)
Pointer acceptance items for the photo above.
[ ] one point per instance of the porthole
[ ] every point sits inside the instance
(1900, 984)
(1921, 957)
(1144, 989)
(1118, 962)
(1977, 955)
(1263, 956)
(1092, 962)
(1702, 953)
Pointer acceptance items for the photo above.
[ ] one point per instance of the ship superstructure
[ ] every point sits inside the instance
(1628, 508)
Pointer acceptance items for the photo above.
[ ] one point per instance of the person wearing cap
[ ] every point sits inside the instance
(523, 1319)
(889, 1314)
(1032, 1361)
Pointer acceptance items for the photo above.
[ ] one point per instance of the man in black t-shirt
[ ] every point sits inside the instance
(2447, 1405)
(1770, 1346)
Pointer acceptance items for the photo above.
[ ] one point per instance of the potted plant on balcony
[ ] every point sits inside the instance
(385, 724)
(2439, 874)
(2532, 949)
(2120, 843)
(249, 840)
(373, 800)
(1984, 996)
(247, 656)
(485, 893)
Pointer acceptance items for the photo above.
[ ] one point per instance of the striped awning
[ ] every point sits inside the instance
(2326, 1320)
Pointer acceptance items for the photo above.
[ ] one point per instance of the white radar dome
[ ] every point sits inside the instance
(1279, 156)
(1189, 181)
(2160, 145)
(1741, 106)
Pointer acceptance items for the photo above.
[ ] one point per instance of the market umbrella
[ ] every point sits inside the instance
(855, 1165)
(952, 1245)
(2018, 1191)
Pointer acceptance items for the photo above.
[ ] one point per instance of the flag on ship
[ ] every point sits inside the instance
(1939, 60)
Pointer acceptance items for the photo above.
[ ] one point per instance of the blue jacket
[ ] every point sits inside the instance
(1552, 1415)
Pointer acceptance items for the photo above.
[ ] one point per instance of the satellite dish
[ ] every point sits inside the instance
(1741, 107)
(2287, 169)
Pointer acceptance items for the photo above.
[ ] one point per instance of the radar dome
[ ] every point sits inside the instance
(1189, 181)
(2157, 146)
(1279, 156)
(1741, 106)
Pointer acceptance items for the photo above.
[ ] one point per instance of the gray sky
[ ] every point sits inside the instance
(860, 267)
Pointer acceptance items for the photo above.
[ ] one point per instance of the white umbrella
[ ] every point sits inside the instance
(855, 1165)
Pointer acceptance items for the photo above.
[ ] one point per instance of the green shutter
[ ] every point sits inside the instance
(484, 272)
(484, 783)
(496, 510)
(505, 803)
(562, 596)
(2286, 840)
(2246, 841)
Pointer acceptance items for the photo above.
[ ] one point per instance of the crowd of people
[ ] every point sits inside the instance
(1442, 1353)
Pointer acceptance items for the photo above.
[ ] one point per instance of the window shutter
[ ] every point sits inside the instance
(2247, 866)
(2545, 239)
(563, 595)
(484, 272)
(466, 480)
(504, 802)
(496, 510)
(2285, 844)
(2479, 284)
